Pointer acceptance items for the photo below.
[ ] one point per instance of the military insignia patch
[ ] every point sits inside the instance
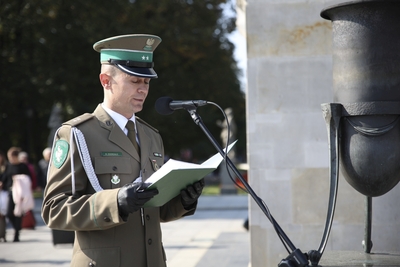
(155, 165)
(156, 154)
(115, 179)
(60, 153)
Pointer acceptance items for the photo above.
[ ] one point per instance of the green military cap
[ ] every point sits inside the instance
(131, 53)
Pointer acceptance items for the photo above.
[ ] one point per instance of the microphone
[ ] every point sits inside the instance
(166, 105)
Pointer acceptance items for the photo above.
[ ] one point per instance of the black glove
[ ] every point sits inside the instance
(191, 193)
(132, 197)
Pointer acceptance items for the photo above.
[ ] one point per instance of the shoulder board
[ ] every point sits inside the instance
(145, 123)
(78, 120)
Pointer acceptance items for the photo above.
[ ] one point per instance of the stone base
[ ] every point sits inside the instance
(359, 259)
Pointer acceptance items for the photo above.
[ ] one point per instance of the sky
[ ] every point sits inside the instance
(240, 55)
(239, 41)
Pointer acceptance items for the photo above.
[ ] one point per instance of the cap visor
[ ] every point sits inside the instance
(140, 72)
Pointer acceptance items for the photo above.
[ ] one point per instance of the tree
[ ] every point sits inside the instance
(47, 59)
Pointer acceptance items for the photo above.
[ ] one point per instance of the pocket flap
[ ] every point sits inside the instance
(112, 165)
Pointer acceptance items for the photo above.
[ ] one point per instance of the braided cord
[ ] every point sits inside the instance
(85, 158)
(71, 156)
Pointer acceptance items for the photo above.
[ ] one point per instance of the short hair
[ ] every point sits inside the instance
(13, 152)
(111, 70)
(46, 151)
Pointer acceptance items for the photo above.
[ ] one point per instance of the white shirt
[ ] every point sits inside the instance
(121, 120)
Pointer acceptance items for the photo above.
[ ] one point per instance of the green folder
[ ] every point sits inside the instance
(176, 175)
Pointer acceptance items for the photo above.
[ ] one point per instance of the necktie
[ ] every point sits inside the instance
(130, 125)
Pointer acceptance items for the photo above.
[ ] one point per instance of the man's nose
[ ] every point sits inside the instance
(143, 88)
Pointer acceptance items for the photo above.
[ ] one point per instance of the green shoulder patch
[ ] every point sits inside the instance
(60, 153)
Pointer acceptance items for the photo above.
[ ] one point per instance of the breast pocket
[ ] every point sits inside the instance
(113, 172)
(152, 165)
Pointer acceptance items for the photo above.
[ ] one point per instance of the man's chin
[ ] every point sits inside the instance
(137, 108)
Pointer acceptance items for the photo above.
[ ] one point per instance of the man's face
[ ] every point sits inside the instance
(127, 93)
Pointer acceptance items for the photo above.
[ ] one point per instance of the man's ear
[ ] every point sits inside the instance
(105, 80)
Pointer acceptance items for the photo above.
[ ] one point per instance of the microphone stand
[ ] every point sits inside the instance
(296, 258)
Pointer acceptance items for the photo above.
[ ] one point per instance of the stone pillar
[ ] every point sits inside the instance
(289, 76)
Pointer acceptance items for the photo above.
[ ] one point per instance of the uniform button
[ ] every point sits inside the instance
(147, 217)
(91, 264)
(114, 168)
(107, 219)
(149, 241)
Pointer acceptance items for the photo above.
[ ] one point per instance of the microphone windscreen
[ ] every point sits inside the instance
(162, 105)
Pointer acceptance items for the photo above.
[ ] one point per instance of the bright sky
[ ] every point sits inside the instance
(240, 52)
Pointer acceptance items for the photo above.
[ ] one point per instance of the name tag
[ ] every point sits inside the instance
(111, 154)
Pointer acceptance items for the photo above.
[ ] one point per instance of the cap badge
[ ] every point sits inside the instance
(149, 44)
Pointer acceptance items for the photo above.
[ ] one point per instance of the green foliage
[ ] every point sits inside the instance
(47, 58)
(211, 190)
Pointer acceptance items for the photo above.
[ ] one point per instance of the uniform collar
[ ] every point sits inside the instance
(118, 118)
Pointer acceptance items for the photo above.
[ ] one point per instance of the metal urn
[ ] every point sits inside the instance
(366, 81)
(363, 122)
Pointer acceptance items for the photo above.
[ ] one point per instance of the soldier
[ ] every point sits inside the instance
(99, 165)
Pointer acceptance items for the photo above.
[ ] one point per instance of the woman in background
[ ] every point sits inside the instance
(13, 167)
(3, 198)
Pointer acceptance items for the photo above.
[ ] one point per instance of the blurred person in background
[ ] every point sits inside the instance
(24, 158)
(13, 168)
(3, 198)
(43, 166)
(3, 163)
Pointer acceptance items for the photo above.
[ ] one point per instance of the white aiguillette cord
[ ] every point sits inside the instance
(84, 155)
(85, 159)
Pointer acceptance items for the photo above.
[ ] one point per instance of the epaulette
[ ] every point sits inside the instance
(78, 120)
(148, 125)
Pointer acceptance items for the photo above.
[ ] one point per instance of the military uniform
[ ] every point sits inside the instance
(102, 237)
(72, 201)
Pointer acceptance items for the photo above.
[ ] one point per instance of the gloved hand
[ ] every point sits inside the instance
(132, 197)
(191, 193)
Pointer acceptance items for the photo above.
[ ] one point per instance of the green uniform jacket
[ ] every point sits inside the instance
(102, 237)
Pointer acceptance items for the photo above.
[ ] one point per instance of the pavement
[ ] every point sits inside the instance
(213, 237)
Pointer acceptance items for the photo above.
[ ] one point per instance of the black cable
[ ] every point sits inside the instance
(226, 146)
(268, 213)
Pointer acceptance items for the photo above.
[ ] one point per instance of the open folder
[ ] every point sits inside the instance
(176, 175)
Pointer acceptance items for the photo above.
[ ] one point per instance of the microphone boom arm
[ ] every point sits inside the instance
(300, 258)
